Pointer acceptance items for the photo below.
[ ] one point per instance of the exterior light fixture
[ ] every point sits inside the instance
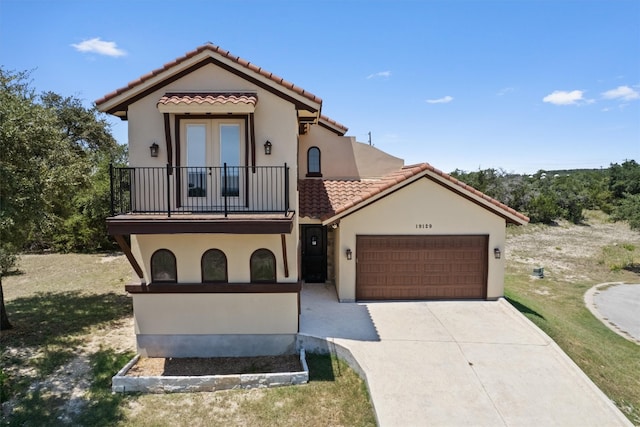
(267, 148)
(154, 149)
(496, 253)
(349, 254)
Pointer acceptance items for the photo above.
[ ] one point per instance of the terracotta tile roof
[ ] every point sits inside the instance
(323, 199)
(209, 98)
(333, 123)
(215, 49)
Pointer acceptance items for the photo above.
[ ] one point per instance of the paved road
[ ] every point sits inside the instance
(447, 363)
(618, 306)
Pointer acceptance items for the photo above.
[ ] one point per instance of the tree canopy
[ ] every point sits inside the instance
(54, 163)
(547, 196)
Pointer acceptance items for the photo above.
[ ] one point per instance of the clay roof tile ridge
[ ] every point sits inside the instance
(213, 48)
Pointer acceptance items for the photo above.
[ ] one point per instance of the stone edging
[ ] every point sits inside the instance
(121, 383)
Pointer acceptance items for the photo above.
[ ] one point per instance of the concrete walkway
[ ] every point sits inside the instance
(450, 363)
(617, 305)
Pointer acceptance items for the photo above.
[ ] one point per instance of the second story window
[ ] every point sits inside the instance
(163, 266)
(313, 162)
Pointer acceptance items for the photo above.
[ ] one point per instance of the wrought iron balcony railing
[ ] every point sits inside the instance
(195, 190)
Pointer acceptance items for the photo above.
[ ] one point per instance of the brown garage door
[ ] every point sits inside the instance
(421, 267)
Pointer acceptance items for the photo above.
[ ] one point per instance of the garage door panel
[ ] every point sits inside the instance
(421, 267)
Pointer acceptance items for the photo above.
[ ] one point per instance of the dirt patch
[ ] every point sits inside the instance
(155, 367)
(71, 381)
(562, 250)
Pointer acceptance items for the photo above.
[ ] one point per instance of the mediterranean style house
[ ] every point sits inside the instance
(238, 190)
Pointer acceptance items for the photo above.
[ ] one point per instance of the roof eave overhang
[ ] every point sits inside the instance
(510, 216)
(118, 105)
(340, 131)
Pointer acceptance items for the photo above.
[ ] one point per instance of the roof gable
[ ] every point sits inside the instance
(118, 101)
(330, 200)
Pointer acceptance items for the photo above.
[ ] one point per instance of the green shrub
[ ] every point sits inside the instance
(628, 210)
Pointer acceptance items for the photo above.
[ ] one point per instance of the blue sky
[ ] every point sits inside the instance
(520, 85)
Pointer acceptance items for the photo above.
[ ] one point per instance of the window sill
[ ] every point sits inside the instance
(213, 288)
(314, 175)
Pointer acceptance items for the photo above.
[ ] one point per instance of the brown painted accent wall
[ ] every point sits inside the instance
(252, 136)
(283, 239)
(213, 288)
(167, 138)
(127, 252)
(331, 271)
(175, 225)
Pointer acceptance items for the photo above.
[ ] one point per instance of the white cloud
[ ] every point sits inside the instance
(624, 93)
(561, 97)
(505, 91)
(382, 74)
(443, 100)
(100, 47)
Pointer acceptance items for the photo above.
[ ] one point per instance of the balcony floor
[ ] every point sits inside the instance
(199, 222)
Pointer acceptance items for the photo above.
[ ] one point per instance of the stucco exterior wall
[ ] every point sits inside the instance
(215, 325)
(372, 162)
(188, 250)
(402, 212)
(342, 157)
(204, 314)
(336, 153)
(275, 120)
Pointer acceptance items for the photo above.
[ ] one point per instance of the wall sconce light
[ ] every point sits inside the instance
(267, 148)
(154, 149)
(349, 254)
(496, 253)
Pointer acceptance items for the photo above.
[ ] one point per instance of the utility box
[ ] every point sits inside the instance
(538, 272)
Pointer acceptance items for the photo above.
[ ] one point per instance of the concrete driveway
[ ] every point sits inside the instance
(450, 363)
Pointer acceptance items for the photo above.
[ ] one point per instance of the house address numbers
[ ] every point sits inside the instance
(424, 225)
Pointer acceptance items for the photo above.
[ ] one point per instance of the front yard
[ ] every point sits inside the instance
(73, 330)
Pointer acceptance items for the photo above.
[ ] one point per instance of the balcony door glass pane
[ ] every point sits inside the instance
(230, 154)
(196, 156)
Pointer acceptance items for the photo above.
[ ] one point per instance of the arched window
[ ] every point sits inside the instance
(263, 266)
(313, 162)
(163, 266)
(214, 266)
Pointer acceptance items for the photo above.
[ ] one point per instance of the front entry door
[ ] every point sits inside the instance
(314, 253)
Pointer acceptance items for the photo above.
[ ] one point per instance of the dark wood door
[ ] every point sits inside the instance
(421, 267)
(314, 253)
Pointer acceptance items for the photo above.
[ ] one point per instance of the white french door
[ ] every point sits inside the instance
(209, 145)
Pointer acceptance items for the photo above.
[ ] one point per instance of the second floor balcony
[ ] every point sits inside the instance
(214, 196)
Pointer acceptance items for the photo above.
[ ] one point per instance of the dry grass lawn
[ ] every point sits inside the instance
(575, 258)
(73, 330)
